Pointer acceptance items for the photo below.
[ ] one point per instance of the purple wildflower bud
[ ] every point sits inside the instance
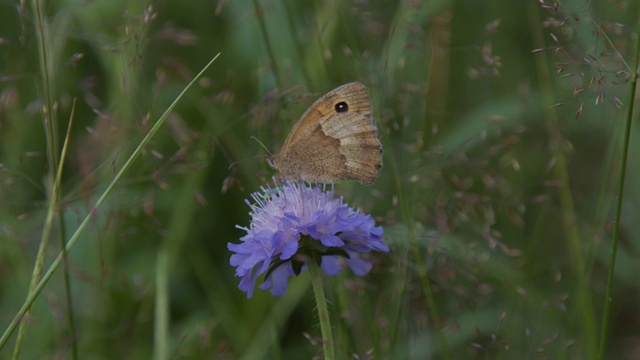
(295, 223)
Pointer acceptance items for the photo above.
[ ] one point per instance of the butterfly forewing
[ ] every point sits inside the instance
(335, 139)
(356, 95)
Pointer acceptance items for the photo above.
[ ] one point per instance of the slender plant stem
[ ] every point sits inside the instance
(584, 301)
(55, 170)
(161, 323)
(267, 42)
(62, 235)
(323, 313)
(421, 269)
(76, 235)
(608, 297)
(46, 231)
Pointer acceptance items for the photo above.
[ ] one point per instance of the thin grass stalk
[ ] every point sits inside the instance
(569, 226)
(51, 131)
(394, 49)
(183, 211)
(319, 29)
(53, 203)
(401, 275)
(51, 124)
(161, 308)
(608, 296)
(62, 235)
(76, 235)
(267, 42)
(423, 276)
(299, 50)
(395, 44)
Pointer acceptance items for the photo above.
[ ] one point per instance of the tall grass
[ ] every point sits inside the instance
(501, 193)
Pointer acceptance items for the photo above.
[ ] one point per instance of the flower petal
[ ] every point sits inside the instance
(331, 265)
(280, 219)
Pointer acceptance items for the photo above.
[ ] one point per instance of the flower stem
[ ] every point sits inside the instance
(323, 313)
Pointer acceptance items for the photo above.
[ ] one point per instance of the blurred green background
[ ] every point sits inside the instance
(502, 124)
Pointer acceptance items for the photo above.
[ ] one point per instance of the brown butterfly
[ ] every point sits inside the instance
(335, 139)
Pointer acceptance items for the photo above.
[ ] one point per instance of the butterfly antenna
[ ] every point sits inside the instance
(239, 161)
(261, 144)
(253, 157)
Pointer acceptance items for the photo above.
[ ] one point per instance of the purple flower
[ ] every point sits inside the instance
(296, 223)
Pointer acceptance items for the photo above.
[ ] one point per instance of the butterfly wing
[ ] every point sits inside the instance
(354, 93)
(336, 139)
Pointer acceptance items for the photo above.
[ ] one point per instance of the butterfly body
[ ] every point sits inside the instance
(335, 139)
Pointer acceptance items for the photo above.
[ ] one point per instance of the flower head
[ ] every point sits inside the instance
(296, 223)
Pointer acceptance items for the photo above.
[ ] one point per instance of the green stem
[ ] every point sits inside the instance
(76, 235)
(423, 276)
(267, 42)
(161, 323)
(575, 245)
(51, 129)
(323, 313)
(608, 297)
